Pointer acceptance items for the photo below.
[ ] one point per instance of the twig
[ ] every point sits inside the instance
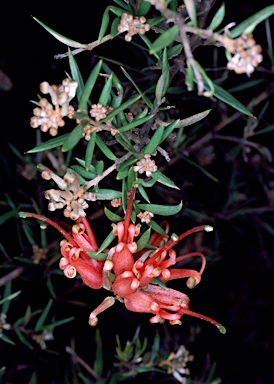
(11, 276)
(90, 46)
(107, 171)
(83, 363)
(260, 148)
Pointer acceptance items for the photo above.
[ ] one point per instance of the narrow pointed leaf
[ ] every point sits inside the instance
(227, 98)
(217, 18)
(123, 106)
(104, 24)
(42, 318)
(53, 143)
(154, 141)
(135, 123)
(108, 194)
(89, 86)
(58, 36)
(254, 20)
(163, 210)
(105, 94)
(90, 150)
(161, 178)
(76, 75)
(191, 10)
(146, 100)
(112, 216)
(164, 40)
(106, 151)
(142, 242)
(51, 326)
(73, 138)
(108, 240)
(143, 193)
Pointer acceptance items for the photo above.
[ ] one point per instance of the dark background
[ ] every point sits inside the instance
(239, 289)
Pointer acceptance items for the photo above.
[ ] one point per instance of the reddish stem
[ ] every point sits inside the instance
(188, 255)
(128, 213)
(90, 233)
(66, 235)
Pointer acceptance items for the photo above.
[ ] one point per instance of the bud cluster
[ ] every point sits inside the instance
(145, 165)
(132, 25)
(247, 54)
(50, 116)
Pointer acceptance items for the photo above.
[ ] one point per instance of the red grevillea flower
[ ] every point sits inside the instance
(74, 248)
(138, 279)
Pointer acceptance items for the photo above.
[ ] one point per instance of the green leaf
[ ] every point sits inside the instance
(191, 10)
(22, 338)
(146, 100)
(97, 256)
(174, 51)
(99, 167)
(106, 151)
(42, 318)
(193, 119)
(252, 21)
(121, 108)
(122, 174)
(143, 193)
(7, 299)
(98, 363)
(6, 339)
(144, 7)
(161, 86)
(89, 86)
(105, 94)
(226, 97)
(161, 178)
(189, 80)
(159, 282)
(114, 27)
(154, 141)
(83, 172)
(108, 240)
(155, 348)
(90, 150)
(63, 39)
(108, 194)
(76, 74)
(112, 216)
(134, 123)
(53, 143)
(73, 138)
(142, 242)
(51, 326)
(217, 18)
(8, 215)
(169, 129)
(104, 24)
(163, 210)
(164, 40)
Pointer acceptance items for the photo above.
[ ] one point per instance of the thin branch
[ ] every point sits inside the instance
(97, 179)
(79, 360)
(11, 276)
(90, 46)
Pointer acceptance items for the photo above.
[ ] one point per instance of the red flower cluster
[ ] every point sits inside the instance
(129, 274)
